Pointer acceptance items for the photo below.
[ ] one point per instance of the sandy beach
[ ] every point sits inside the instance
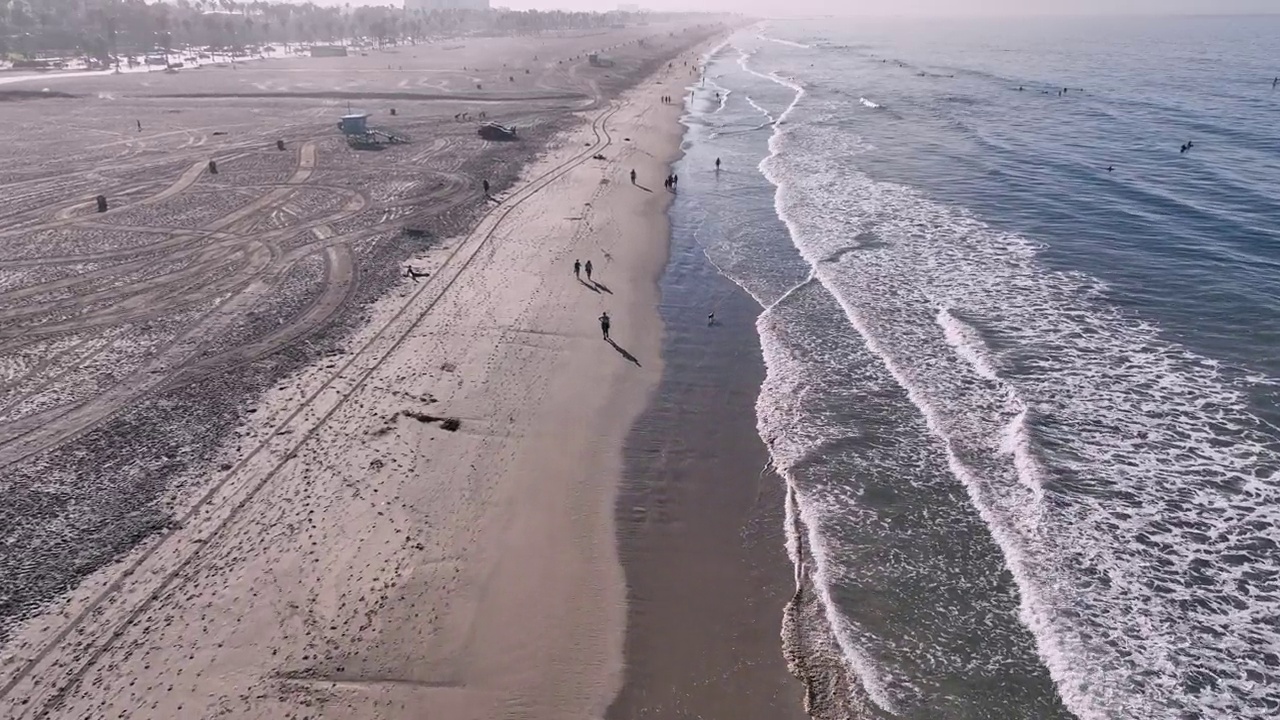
(421, 523)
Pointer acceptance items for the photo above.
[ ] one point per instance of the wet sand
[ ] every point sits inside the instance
(700, 519)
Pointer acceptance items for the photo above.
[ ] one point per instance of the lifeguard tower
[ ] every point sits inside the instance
(355, 125)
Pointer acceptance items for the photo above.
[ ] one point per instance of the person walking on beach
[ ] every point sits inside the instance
(577, 268)
(633, 176)
(604, 325)
(587, 267)
(485, 184)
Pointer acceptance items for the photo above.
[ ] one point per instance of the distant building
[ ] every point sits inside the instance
(328, 51)
(446, 4)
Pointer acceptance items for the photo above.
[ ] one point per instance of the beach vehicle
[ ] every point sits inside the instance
(494, 131)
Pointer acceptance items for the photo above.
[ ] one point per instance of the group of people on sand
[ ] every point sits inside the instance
(580, 267)
(671, 181)
(667, 99)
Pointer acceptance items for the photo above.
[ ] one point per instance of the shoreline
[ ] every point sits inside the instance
(429, 520)
(701, 515)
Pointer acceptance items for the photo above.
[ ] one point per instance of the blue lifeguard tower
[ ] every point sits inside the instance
(355, 126)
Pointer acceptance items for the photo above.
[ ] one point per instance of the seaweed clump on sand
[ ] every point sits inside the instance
(446, 423)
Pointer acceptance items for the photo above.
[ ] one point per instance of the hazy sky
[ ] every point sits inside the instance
(919, 7)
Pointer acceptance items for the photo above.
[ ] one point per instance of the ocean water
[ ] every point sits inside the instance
(1022, 352)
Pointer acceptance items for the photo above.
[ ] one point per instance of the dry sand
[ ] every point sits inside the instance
(364, 556)
(133, 341)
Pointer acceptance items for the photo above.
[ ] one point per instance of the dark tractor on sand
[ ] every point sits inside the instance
(494, 131)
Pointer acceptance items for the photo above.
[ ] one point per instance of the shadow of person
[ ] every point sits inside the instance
(601, 286)
(589, 286)
(643, 188)
(623, 352)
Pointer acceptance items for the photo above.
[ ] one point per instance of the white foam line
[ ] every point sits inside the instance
(1016, 439)
(967, 344)
(859, 663)
(710, 54)
(791, 291)
(724, 96)
(790, 517)
(761, 110)
(780, 41)
(862, 666)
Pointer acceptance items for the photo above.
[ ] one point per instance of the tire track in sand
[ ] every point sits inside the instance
(40, 683)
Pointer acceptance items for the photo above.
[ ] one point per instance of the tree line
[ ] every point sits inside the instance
(102, 29)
